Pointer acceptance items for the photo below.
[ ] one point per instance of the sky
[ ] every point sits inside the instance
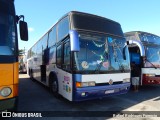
(133, 15)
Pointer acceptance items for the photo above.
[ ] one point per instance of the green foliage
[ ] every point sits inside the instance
(21, 52)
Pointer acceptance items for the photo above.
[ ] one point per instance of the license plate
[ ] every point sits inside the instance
(109, 91)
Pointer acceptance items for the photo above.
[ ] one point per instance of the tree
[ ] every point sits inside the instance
(21, 52)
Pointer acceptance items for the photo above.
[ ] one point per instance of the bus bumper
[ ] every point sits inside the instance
(9, 104)
(147, 80)
(96, 92)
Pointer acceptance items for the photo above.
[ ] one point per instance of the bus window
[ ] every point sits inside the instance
(66, 63)
(44, 41)
(63, 28)
(52, 37)
(7, 35)
(52, 55)
(59, 55)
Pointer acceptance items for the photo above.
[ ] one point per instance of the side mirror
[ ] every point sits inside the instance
(74, 41)
(124, 54)
(23, 30)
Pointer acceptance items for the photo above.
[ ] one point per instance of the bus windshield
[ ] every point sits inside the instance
(152, 43)
(7, 29)
(149, 38)
(153, 56)
(101, 54)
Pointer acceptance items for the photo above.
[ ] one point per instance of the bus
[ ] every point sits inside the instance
(23, 64)
(9, 54)
(83, 56)
(150, 63)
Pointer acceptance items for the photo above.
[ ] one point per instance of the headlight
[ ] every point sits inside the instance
(5, 92)
(126, 80)
(85, 84)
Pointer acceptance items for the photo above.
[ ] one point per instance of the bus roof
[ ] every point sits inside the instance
(91, 22)
(88, 14)
(119, 33)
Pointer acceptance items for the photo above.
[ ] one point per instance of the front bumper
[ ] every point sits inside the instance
(8, 104)
(87, 93)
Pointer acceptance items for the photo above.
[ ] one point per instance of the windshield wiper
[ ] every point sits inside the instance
(98, 67)
(151, 63)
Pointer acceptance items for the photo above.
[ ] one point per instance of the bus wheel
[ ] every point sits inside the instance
(53, 85)
(31, 75)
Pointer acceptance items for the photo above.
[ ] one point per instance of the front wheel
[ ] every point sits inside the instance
(53, 85)
(31, 75)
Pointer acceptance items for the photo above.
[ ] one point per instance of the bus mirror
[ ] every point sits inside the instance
(23, 30)
(124, 55)
(74, 41)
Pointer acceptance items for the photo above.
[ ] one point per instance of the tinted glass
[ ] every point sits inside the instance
(59, 55)
(44, 41)
(7, 29)
(63, 28)
(66, 63)
(93, 23)
(52, 37)
(52, 55)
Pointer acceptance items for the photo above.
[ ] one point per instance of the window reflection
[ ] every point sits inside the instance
(7, 35)
(153, 56)
(100, 53)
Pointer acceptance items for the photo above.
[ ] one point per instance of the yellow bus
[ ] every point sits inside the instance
(9, 54)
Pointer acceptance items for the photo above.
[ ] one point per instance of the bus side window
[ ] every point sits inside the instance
(59, 56)
(66, 61)
(52, 37)
(63, 28)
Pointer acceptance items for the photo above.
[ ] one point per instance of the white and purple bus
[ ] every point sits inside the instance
(82, 57)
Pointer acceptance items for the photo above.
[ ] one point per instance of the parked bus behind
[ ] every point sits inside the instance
(150, 63)
(9, 54)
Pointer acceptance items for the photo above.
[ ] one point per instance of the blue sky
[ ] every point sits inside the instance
(131, 14)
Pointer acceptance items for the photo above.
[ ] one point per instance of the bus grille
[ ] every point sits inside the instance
(103, 84)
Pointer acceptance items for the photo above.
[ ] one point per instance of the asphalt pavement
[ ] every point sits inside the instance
(36, 98)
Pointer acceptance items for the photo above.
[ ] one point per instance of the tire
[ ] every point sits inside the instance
(31, 75)
(53, 85)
